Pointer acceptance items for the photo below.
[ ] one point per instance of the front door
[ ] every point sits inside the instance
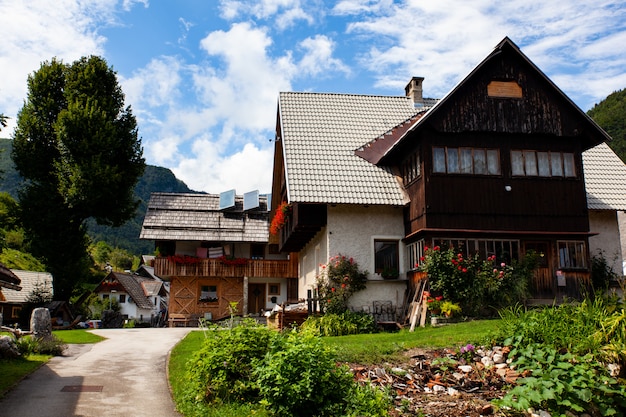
(256, 298)
(542, 285)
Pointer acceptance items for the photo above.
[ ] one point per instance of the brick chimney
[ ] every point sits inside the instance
(414, 90)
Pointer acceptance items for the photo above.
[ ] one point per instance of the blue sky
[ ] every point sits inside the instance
(203, 76)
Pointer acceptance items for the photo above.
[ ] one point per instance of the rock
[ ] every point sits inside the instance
(487, 361)
(41, 324)
(498, 358)
(614, 369)
(486, 410)
(453, 392)
(466, 368)
(8, 348)
(501, 365)
(439, 388)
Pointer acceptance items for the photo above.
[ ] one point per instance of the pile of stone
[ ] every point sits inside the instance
(445, 380)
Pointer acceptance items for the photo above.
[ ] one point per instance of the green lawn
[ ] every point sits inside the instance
(381, 347)
(77, 336)
(13, 370)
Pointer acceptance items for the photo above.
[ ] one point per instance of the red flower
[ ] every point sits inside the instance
(436, 248)
(333, 289)
(464, 269)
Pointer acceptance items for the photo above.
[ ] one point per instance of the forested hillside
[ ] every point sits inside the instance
(154, 179)
(610, 114)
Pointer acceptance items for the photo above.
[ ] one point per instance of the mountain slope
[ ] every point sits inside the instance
(610, 114)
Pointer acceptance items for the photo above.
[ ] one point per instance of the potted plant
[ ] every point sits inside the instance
(449, 309)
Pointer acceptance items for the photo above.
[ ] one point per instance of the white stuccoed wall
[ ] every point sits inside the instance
(605, 223)
(351, 231)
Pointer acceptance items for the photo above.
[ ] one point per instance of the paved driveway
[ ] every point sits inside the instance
(125, 375)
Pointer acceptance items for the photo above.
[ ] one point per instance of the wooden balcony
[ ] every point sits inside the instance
(303, 224)
(252, 268)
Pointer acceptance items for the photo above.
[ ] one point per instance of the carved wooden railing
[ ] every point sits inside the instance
(250, 268)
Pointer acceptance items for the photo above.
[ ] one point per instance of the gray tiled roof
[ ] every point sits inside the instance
(605, 179)
(320, 133)
(135, 290)
(197, 217)
(31, 280)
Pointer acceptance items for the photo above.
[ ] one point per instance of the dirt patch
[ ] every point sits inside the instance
(439, 383)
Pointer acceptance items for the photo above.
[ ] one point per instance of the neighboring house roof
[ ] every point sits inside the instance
(8, 279)
(197, 217)
(133, 286)
(30, 280)
(605, 179)
(320, 133)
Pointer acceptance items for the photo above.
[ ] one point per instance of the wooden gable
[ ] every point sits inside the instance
(505, 94)
(505, 104)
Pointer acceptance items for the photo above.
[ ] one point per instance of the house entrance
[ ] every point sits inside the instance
(542, 285)
(256, 298)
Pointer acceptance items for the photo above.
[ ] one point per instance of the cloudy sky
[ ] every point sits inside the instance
(203, 76)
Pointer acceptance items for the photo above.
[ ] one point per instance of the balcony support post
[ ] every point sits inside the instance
(245, 296)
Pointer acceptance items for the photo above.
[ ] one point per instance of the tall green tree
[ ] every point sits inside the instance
(78, 149)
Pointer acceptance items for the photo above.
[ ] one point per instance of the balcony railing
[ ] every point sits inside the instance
(164, 267)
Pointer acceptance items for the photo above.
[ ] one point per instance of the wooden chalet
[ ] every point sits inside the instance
(214, 251)
(495, 167)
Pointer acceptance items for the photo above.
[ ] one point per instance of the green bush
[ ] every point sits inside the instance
(222, 371)
(477, 284)
(289, 374)
(341, 324)
(300, 378)
(564, 350)
(29, 345)
(563, 382)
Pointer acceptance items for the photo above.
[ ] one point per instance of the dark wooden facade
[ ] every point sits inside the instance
(505, 104)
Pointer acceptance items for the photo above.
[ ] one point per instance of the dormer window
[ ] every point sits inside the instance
(411, 169)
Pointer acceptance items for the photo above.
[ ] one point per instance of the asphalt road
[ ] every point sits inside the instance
(124, 375)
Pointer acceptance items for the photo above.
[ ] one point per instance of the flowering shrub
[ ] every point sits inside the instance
(433, 303)
(233, 261)
(339, 279)
(280, 218)
(467, 352)
(476, 283)
(183, 259)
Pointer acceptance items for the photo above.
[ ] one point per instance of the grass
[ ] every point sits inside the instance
(14, 370)
(77, 336)
(382, 347)
(364, 349)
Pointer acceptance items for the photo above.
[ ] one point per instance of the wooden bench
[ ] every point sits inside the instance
(186, 320)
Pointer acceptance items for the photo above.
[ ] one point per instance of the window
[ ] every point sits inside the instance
(410, 168)
(572, 254)
(257, 251)
(414, 252)
(274, 289)
(15, 312)
(543, 164)
(476, 161)
(503, 250)
(122, 298)
(386, 256)
(208, 293)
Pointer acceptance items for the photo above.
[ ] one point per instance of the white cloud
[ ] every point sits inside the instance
(444, 40)
(36, 31)
(246, 170)
(284, 13)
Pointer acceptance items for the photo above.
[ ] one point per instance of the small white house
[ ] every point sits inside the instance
(140, 298)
